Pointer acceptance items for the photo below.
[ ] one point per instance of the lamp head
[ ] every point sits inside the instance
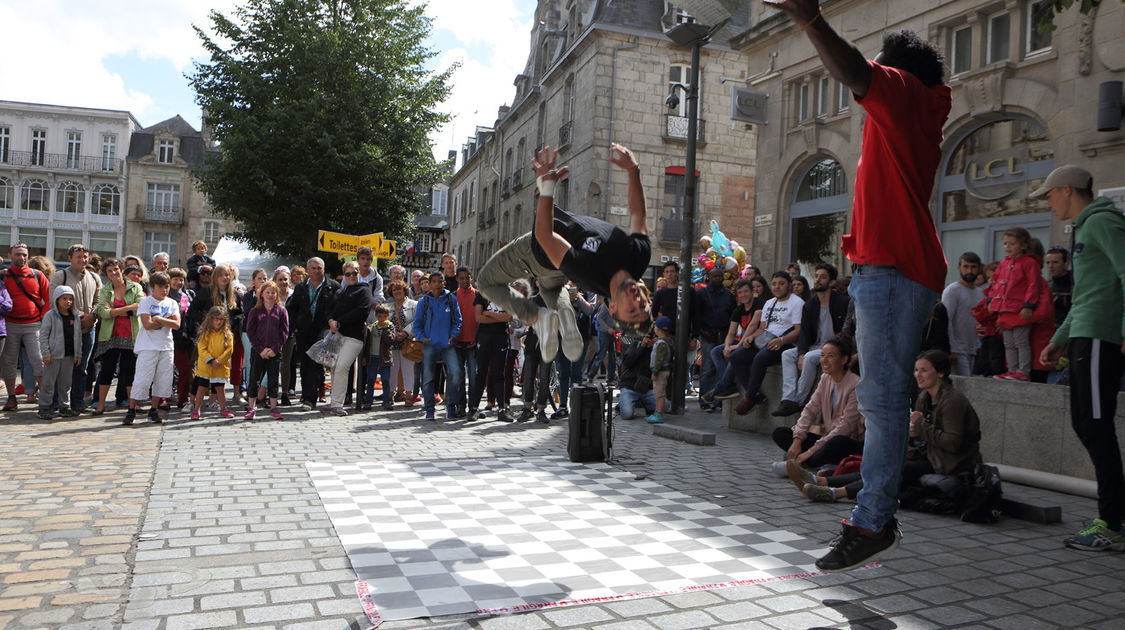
(673, 100)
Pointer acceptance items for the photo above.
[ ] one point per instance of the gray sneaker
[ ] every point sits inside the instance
(547, 329)
(821, 494)
(572, 345)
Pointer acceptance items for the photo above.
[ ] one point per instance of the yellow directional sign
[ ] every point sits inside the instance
(337, 242)
(348, 244)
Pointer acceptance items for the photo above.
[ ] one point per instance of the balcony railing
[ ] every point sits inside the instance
(61, 162)
(675, 127)
(565, 133)
(506, 187)
(169, 214)
(517, 179)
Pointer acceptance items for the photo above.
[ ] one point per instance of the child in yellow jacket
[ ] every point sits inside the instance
(215, 346)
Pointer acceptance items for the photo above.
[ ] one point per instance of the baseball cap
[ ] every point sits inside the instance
(1074, 176)
(663, 322)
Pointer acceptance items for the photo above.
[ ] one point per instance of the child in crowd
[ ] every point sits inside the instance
(159, 315)
(1013, 296)
(377, 358)
(215, 345)
(60, 342)
(198, 258)
(267, 327)
(661, 365)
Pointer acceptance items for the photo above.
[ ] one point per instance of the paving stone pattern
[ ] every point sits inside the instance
(216, 524)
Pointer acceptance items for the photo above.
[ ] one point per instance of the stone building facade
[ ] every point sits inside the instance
(599, 72)
(1024, 102)
(166, 212)
(63, 178)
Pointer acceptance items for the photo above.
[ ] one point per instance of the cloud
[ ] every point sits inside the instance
(492, 47)
(65, 45)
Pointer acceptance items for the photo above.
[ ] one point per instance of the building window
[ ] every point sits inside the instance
(803, 102)
(562, 194)
(73, 149)
(818, 215)
(999, 35)
(961, 46)
(38, 147)
(424, 242)
(825, 179)
(843, 97)
(166, 151)
(106, 201)
(1037, 41)
(211, 233)
(159, 242)
(35, 239)
(679, 74)
(70, 197)
(472, 197)
(33, 196)
(104, 244)
(7, 194)
(5, 143)
(823, 97)
(440, 203)
(63, 240)
(163, 197)
(109, 152)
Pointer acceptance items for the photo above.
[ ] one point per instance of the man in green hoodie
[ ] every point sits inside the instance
(1093, 334)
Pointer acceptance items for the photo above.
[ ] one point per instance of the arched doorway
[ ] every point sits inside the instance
(818, 215)
(985, 186)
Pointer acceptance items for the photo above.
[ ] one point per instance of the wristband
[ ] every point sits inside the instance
(546, 186)
(810, 22)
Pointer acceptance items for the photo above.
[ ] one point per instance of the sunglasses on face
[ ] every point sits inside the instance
(350, 274)
(204, 273)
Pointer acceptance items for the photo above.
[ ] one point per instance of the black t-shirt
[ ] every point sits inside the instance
(664, 303)
(597, 251)
(451, 283)
(493, 327)
(742, 315)
(68, 334)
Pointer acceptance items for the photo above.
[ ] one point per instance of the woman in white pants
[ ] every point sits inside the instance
(349, 318)
(402, 316)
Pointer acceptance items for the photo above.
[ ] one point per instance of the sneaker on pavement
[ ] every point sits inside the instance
(194, 414)
(541, 417)
(655, 418)
(45, 413)
(306, 406)
(340, 411)
(560, 414)
(820, 494)
(130, 416)
(708, 396)
(779, 469)
(1097, 536)
(504, 416)
(786, 408)
(525, 415)
(154, 416)
(275, 413)
(799, 475)
(430, 415)
(855, 547)
(472, 415)
(572, 344)
(249, 415)
(546, 329)
(225, 413)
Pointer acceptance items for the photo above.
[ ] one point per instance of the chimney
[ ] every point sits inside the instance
(502, 112)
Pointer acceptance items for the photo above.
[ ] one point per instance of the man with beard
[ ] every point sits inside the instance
(959, 298)
(822, 318)
(595, 255)
(1061, 280)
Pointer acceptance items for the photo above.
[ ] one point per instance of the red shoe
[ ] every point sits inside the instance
(747, 404)
(1019, 376)
(18, 390)
(1006, 376)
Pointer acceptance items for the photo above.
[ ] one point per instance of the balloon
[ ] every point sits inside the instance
(719, 240)
(739, 254)
(730, 264)
(708, 264)
(705, 242)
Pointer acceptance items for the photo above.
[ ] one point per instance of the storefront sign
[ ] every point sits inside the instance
(991, 173)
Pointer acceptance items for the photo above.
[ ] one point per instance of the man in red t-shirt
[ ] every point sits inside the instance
(466, 342)
(29, 291)
(900, 267)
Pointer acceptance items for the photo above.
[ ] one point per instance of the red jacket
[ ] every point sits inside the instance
(30, 294)
(1014, 285)
(465, 300)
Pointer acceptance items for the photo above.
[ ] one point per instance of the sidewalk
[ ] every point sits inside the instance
(216, 523)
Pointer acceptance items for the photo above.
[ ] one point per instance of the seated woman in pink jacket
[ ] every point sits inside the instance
(835, 400)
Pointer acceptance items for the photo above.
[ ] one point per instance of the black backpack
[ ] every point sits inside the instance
(982, 496)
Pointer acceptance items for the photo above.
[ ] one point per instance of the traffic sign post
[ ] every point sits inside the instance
(346, 245)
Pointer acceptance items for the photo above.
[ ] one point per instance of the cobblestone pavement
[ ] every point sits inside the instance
(215, 523)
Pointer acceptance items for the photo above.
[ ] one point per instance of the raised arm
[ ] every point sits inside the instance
(638, 215)
(842, 59)
(553, 244)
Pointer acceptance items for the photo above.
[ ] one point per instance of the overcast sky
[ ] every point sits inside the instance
(132, 55)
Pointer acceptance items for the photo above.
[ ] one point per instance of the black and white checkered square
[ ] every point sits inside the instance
(438, 537)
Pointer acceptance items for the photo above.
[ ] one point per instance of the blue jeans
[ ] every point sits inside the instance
(607, 353)
(708, 368)
(723, 367)
(628, 400)
(374, 370)
(570, 372)
(890, 312)
(467, 361)
(430, 356)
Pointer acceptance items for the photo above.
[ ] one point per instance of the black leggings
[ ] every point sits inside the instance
(270, 367)
(114, 360)
(831, 452)
(492, 351)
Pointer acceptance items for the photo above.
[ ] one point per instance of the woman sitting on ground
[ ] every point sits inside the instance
(835, 399)
(944, 426)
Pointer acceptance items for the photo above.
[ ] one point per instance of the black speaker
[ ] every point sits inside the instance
(1109, 106)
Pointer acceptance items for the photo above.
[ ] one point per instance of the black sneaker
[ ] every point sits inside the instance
(560, 414)
(130, 415)
(154, 416)
(473, 415)
(525, 415)
(727, 392)
(786, 408)
(708, 396)
(541, 417)
(504, 416)
(855, 548)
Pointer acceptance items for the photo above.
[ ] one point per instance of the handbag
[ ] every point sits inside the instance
(411, 348)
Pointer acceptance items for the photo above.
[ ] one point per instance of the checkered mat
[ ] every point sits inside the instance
(438, 537)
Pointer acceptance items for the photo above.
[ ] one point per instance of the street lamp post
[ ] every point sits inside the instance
(695, 35)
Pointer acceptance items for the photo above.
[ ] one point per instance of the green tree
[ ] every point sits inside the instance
(1047, 19)
(321, 109)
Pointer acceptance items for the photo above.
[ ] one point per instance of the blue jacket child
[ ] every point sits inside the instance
(437, 319)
